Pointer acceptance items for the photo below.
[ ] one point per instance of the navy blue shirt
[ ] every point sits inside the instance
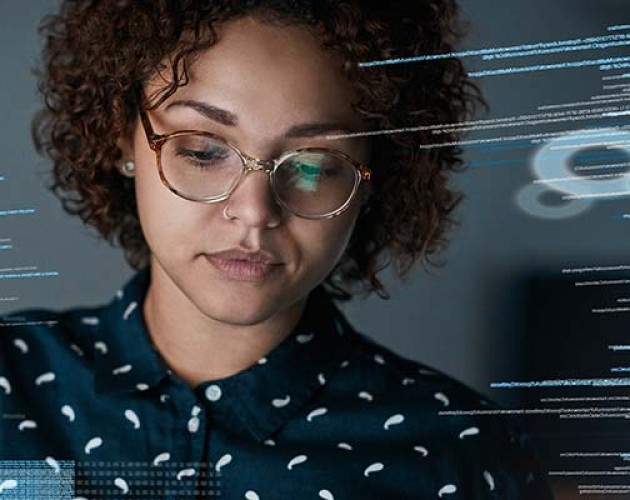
(91, 410)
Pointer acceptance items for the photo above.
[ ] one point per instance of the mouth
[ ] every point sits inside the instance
(238, 254)
(243, 270)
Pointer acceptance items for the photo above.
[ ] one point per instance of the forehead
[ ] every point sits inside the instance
(280, 72)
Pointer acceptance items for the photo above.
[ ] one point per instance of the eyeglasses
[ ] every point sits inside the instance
(313, 183)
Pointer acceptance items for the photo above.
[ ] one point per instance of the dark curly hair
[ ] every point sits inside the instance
(97, 52)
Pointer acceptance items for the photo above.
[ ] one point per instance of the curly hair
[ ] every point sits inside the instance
(97, 52)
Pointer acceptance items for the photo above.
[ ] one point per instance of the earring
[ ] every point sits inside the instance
(128, 168)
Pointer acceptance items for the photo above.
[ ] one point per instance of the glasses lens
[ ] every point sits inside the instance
(315, 183)
(199, 166)
(310, 183)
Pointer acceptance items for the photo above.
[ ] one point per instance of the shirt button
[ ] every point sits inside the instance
(213, 392)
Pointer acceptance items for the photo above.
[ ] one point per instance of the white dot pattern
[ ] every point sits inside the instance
(324, 415)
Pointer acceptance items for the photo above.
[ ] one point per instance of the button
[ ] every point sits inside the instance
(213, 392)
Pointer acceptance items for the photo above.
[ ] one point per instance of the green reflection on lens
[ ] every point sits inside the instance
(309, 176)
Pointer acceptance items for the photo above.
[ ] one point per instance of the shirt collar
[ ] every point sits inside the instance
(257, 400)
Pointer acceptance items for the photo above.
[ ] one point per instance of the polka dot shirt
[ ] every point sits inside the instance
(90, 410)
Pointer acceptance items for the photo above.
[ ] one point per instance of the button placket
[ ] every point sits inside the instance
(212, 395)
(194, 421)
(190, 437)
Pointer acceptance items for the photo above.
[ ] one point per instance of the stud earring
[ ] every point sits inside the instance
(129, 168)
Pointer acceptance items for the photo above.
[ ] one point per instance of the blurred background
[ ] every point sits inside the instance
(535, 282)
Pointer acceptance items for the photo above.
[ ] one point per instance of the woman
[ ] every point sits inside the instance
(239, 154)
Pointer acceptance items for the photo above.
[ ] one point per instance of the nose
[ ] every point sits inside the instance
(252, 201)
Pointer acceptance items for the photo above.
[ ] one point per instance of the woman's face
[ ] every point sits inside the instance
(261, 81)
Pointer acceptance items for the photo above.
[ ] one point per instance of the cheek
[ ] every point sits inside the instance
(168, 222)
(342, 235)
(324, 242)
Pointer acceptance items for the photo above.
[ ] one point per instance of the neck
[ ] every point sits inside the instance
(199, 346)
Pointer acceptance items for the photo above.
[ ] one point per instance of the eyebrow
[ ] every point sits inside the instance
(229, 119)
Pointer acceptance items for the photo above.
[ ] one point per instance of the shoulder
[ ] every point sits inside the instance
(385, 368)
(420, 389)
(448, 420)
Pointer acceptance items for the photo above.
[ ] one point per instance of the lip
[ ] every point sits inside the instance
(243, 270)
(237, 254)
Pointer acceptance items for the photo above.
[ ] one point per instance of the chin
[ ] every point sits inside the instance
(241, 316)
(245, 308)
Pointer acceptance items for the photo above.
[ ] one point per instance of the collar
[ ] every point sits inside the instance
(255, 401)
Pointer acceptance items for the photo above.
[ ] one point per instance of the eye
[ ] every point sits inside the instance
(197, 151)
(205, 155)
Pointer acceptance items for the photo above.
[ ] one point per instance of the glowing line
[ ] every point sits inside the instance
(594, 195)
(587, 473)
(592, 454)
(617, 113)
(596, 167)
(581, 103)
(617, 86)
(616, 77)
(621, 267)
(606, 310)
(464, 127)
(531, 411)
(496, 50)
(602, 282)
(578, 178)
(589, 46)
(594, 382)
(29, 275)
(605, 398)
(27, 323)
(602, 97)
(548, 67)
(15, 212)
(23, 268)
